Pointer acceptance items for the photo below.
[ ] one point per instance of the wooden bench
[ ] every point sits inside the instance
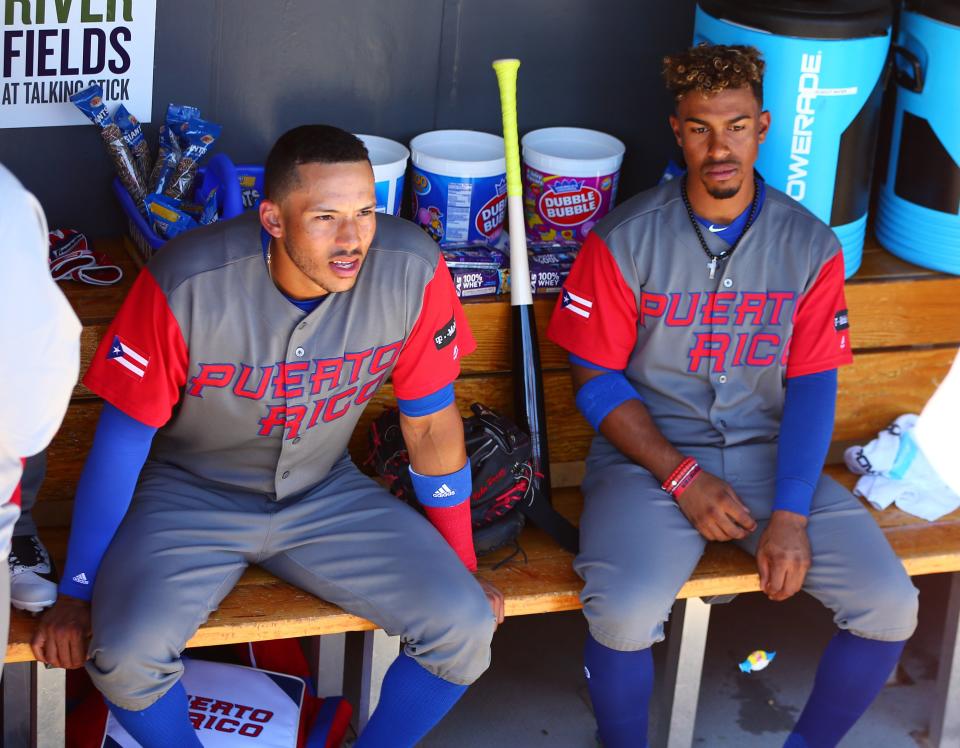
(905, 334)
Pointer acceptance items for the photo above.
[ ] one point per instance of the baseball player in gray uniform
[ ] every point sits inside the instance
(234, 375)
(705, 321)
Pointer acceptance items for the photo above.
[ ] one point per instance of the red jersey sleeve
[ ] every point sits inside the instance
(430, 359)
(595, 317)
(141, 363)
(821, 330)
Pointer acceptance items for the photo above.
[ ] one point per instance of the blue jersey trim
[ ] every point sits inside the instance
(587, 364)
(732, 231)
(424, 406)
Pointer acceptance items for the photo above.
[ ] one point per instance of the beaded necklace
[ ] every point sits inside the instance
(715, 258)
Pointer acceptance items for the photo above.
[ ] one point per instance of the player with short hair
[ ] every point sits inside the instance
(705, 321)
(234, 375)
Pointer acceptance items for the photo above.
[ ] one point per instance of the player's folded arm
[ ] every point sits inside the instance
(433, 430)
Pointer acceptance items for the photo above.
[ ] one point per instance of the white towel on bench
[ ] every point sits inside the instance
(895, 470)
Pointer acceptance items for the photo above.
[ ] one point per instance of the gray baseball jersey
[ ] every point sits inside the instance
(245, 388)
(709, 356)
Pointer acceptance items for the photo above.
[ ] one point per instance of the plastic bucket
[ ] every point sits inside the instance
(389, 160)
(459, 185)
(570, 178)
(823, 85)
(918, 211)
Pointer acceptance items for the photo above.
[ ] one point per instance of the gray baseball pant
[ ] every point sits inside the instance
(185, 542)
(34, 471)
(637, 549)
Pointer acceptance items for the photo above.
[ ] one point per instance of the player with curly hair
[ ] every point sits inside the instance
(705, 321)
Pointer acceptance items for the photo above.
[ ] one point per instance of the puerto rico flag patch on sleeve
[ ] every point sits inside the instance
(125, 355)
(576, 304)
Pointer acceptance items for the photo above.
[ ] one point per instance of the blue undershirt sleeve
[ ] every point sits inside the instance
(600, 396)
(110, 474)
(424, 406)
(805, 432)
(587, 364)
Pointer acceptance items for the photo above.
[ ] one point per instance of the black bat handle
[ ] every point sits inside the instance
(528, 399)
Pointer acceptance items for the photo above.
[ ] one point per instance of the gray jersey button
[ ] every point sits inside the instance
(302, 326)
(727, 282)
(296, 440)
(722, 379)
(286, 474)
(299, 352)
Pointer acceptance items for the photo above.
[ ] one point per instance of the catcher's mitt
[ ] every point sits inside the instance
(500, 465)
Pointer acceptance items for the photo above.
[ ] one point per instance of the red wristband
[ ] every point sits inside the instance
(680, 479)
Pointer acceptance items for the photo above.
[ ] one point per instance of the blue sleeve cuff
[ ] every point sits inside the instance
(598, 397)
(443, 490)
(424, 406)
(587, 364)
(793, 495)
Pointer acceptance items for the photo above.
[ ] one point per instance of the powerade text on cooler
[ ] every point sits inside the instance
(459, 185)
(823, 85)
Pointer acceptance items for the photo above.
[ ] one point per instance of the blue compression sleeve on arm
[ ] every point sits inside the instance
(106, 485)
(424, 406)
(805, 431)
(599, 396)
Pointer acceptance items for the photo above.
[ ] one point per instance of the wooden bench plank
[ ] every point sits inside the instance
(262, 607)
(904, 313)
(880, 386)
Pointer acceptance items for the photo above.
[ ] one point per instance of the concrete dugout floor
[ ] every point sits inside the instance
(535, 693)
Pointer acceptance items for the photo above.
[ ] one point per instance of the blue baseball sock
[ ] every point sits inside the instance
(620, 686)
(163, 723)
(412, 701)
(851, 673)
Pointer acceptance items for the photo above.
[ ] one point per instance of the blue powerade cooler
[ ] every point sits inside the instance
(918, 213)
(823, 85)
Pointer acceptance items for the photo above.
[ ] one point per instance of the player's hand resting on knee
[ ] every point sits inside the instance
(783, 555)
(64, 633)
(494, 597)
(713, 507)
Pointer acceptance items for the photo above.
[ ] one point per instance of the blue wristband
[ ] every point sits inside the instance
(598, 397)
(443, 490)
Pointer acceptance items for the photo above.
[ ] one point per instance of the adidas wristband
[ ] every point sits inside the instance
(443, 490)
(446, 501)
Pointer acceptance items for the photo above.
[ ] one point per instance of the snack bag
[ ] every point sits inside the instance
(90, 102)
(133, 137)
(167, 217)
(200, 136)
(170, 146)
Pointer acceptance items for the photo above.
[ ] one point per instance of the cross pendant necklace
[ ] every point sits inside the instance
(715, 258)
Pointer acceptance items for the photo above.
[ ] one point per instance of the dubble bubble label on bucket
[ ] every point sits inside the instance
(561, 208)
